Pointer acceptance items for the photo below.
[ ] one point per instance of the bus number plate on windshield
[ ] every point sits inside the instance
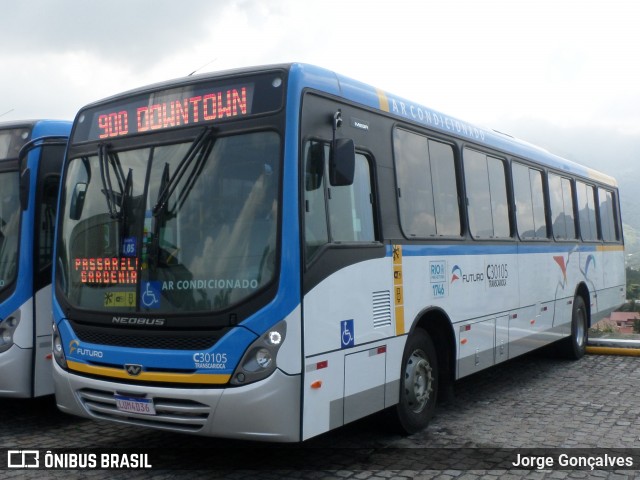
(142, 406)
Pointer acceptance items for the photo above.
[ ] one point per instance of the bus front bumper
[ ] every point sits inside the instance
(268, 410)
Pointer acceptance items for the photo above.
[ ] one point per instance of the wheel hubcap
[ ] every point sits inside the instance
(580, 328)
(418, 381)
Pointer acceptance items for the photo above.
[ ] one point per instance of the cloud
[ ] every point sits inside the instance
(567, 62)
(118, 31)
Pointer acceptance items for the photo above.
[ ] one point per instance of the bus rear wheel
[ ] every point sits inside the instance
(575, 346)
(418, 384)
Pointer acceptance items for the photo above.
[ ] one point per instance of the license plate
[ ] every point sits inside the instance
(143, 406)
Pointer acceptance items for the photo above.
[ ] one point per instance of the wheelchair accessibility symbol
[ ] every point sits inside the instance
(151, 294)
(347, 334)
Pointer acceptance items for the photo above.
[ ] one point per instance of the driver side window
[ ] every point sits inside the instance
(335, 214)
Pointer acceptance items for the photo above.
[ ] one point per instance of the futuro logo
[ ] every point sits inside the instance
(456, 273)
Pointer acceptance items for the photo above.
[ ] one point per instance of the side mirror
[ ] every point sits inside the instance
(25, 180)
(77, 201)
(343, 162)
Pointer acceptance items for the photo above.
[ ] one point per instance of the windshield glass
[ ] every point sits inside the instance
(184, 227)
(11, 140)
(9, 227)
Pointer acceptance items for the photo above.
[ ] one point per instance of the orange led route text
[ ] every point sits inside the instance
(107, 270)
(187, 111)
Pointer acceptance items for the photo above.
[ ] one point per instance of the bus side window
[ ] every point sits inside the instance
(486, 195)
(587, 211)
(529, 197)
(607, 216)
(44, 229)
(351, 208)
(427, 191)
(315, 208)
(45, 217)
(561, 201)
(336, 213)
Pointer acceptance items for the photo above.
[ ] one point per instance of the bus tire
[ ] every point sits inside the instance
(418, 384)
(574, 347)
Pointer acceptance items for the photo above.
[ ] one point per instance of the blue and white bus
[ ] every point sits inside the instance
(272, 253)
(31, 157)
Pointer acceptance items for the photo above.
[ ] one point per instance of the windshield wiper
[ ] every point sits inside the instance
(198, 152)
(107, 159)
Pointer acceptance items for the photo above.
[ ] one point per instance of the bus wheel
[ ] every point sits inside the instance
(574, 347)
(418, 384)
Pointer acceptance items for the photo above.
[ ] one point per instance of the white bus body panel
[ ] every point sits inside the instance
(16, 363)
(500, 306)
(19, 359)
(354, 373)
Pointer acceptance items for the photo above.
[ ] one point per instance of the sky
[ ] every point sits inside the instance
(553, 72)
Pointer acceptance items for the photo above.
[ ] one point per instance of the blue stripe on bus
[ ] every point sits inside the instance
(502, 249)
(288, 297)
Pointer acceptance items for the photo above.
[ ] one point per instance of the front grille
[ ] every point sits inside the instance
(171, 414)
(161, 340)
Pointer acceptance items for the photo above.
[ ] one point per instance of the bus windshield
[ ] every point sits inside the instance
(181, 227)
(9, 227)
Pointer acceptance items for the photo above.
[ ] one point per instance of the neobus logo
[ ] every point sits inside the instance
(139, 321)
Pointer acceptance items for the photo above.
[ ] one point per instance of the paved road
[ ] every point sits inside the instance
(531, 403)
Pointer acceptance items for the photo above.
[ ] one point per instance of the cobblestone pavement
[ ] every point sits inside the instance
(530, 403)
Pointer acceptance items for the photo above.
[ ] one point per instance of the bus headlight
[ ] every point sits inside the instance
(259, 361)
(7, 329)
(58, 349)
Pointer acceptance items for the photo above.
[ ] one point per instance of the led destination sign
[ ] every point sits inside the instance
(106, 270)
(180, 106)
(174, 113)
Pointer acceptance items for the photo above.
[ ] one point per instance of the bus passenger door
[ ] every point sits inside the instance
(347, 303)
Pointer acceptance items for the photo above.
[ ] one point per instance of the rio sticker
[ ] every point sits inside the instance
(438, 278)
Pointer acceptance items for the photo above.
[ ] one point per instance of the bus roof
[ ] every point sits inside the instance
(15, 134)
(418, 114)
(30, 123)
(309, 76)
